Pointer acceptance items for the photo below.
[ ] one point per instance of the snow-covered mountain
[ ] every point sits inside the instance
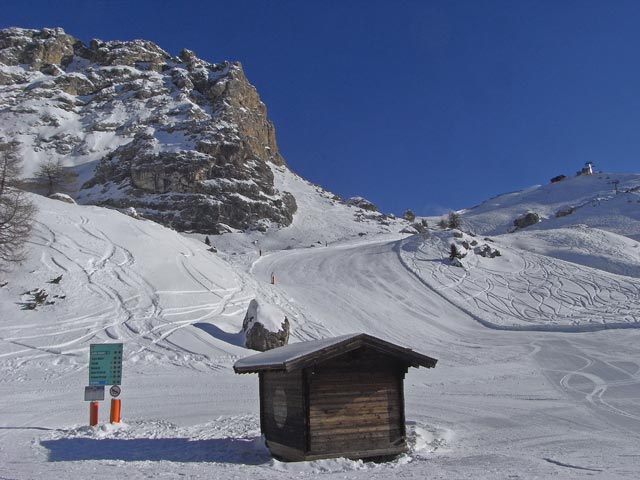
(184, 141)
(536, 329)
(603, 200)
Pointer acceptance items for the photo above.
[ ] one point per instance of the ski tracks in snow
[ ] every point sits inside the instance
(601, 381)
(356, 288)
(526, 291)
(123, 296)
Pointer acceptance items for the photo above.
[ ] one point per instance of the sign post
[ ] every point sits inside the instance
(115, 404)
(105, 368)
(114, 415)
(93, 413)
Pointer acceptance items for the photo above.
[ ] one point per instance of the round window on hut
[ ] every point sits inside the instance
(280, 407)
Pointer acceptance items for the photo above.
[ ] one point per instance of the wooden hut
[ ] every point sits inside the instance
(336, 397)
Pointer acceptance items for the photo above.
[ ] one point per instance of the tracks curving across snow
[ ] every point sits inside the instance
(125, 294)
(506, 402)
(526, 292)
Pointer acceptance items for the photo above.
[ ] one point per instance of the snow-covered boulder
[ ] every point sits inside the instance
(63, 197)
(265, 327)
(421, 226)
(132, 212)
(410, 230)
(487, 251)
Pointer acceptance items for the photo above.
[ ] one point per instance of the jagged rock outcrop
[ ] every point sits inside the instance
(362, 203)
(265, 327)
(526, 220)
(37, 48)
(563, 212)
(417, 227)
(183, 141)
(487, 251)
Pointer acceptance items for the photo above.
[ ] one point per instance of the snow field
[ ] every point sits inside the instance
(536, 395)
(528, 291)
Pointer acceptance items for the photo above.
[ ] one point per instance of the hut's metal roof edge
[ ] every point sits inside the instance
(302, 354)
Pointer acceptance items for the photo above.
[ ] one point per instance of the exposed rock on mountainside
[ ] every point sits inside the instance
(526, 220)
(563, 212)
(487, 251)
(184, 141)
(362, 203)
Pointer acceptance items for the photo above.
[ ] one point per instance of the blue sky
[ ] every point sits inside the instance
(428, 105)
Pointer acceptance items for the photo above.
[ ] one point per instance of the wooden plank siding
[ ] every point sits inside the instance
(282, 409)
(356, 405)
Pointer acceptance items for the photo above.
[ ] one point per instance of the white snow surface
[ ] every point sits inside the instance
(538, 372)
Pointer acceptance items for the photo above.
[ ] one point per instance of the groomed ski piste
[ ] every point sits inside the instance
(538, 373)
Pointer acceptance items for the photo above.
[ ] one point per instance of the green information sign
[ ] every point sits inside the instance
(105, 364)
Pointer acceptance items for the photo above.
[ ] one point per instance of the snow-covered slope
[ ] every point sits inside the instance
(536, 377)
(582, 245)
(519, 290)
(321, 219)
(117, 281)
(592, 198)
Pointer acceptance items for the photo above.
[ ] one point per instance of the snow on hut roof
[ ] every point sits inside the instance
(302, 354)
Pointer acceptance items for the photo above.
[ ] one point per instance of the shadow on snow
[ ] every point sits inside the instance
(232, 338)
(219, 450)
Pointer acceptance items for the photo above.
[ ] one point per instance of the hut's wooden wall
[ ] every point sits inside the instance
(282, 409)
(356, 405)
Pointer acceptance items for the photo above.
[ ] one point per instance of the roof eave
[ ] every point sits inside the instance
(258, 369)
(406, 355)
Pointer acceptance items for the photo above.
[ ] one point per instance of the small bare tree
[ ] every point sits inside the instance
(16, 211)
(454, 220)
(52, 174)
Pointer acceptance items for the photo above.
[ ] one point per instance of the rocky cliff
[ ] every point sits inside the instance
(185, 142)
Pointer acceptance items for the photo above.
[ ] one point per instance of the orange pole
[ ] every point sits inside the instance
(273, 279)
(115, 410)
(93, 413)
